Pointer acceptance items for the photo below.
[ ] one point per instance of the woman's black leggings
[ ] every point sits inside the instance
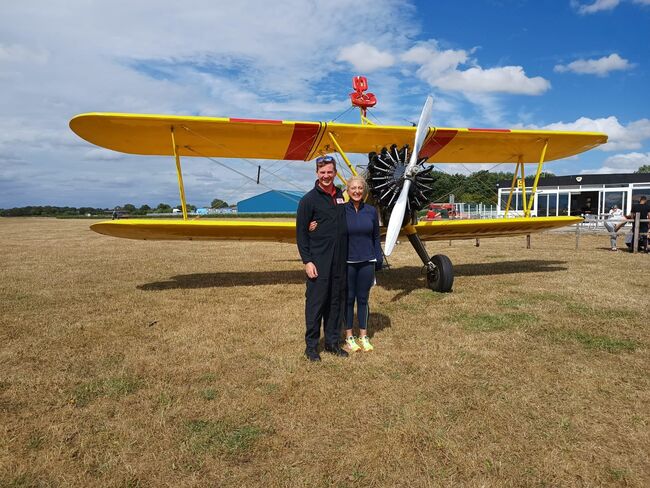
(361, 276)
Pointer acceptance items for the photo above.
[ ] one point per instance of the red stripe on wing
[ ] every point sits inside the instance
(439, 140)
(489, 130)
(302, 140)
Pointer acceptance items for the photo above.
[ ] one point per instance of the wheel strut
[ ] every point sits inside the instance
(440, 271)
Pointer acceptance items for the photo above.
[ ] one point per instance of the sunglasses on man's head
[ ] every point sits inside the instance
(324, 159)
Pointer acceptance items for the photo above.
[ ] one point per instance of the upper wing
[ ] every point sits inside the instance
(277, 139)
(242, 230)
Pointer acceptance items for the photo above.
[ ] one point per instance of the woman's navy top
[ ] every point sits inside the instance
(363, 234)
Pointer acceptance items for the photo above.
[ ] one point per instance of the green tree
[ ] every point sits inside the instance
(163, 208)
(129, 207)
(217, 203)
(643, 169)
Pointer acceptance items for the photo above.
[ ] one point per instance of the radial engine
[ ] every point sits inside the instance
(386, 173)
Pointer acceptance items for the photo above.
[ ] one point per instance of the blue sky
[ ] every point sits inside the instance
(563, 64)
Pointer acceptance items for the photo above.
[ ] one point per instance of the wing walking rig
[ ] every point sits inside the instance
(399, 183)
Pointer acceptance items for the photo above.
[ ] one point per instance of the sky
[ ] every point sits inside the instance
(545, 64)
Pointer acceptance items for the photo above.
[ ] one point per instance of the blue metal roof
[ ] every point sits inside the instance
(272, 201)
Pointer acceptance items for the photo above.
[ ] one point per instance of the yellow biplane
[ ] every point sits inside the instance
(399, 182)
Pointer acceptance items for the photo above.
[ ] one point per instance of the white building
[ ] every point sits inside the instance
(578, 194)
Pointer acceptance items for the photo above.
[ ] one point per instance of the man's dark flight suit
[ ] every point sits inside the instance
(327, 248)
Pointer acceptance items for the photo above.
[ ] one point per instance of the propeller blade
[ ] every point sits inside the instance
(421, 132)
(397, 214)
(396, 218)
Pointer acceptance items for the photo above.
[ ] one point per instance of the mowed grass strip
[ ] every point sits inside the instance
(219, 435)
(597, 342)
(113, 387)
(135, 363)
(486, 322)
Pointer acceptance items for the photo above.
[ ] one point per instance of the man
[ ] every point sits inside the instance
(643, 209)
(615, 220)
(324, 254)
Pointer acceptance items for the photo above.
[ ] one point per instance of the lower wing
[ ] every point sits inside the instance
(217, 230)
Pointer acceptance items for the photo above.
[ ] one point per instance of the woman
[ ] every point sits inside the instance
(364, 256)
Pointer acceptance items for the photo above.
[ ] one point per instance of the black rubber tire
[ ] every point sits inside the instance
(442, 278)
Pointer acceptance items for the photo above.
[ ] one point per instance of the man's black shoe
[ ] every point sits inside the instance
(312, 355)
(336, 350)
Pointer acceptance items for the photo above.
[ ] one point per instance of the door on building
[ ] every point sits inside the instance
(585, 202)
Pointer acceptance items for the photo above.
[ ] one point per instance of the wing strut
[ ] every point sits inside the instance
(526, 205)
(512, 185)
(181, 188)
(539, 171)
(342, 153)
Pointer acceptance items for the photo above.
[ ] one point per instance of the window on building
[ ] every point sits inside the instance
(563, 204)
(552, 204)
(520, 201)
(542, 205)
(504, 200)
(637, 193)
(611, 198)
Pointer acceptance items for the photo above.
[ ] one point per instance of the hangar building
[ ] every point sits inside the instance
(273, 201)
(578, 194)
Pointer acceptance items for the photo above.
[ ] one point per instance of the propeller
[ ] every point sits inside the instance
(397, 214)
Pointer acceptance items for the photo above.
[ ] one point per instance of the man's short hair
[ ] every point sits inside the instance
(325, 160)
(642, 197)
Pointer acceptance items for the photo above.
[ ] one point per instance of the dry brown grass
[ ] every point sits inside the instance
(132, 363)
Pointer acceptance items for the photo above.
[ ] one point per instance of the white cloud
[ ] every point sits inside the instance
(441, 69)
(101, 154)
(597, 6)
(366, 58)
(18, 53)
(621, 137)
(601, 5)
(507, 79)
(598, 67)
(621, 163)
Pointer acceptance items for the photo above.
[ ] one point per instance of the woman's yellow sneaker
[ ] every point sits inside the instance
(352, 344)
(365, 344)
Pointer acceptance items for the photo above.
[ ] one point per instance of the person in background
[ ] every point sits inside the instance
(643, 209)
(615, 220)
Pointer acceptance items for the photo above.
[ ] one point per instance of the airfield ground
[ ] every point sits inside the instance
(136, 364)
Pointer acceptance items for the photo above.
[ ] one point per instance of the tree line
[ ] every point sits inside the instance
(127, 208)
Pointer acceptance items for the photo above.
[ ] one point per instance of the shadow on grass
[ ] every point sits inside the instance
(409, 278)
(227, 279)
(405, 279)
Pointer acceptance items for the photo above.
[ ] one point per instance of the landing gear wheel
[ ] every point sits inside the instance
(441, 278)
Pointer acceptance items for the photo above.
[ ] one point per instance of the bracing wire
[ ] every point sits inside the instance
(288, 182)
(220, 163)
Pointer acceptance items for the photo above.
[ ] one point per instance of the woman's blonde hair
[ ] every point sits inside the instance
(357, 179)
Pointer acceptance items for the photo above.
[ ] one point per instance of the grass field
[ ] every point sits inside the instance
(142, 364)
